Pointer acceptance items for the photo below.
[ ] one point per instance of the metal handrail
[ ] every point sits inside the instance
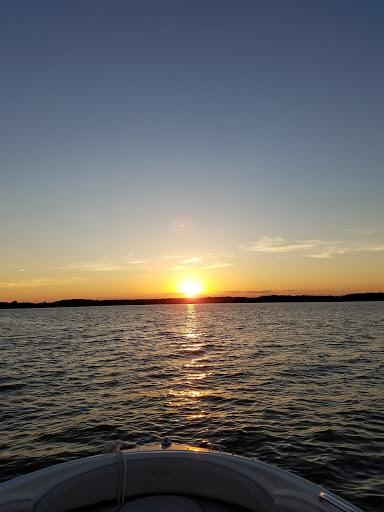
(336, 502)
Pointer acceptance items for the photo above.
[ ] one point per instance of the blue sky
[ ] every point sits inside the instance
(239, 121)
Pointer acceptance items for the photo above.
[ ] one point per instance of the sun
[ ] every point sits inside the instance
(191, 287)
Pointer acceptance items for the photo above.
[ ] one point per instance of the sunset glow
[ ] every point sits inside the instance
(191, 287)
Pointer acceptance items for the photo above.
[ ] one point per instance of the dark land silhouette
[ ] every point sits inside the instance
(379, 296)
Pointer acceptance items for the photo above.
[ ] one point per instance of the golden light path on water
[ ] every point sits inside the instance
(188, 370)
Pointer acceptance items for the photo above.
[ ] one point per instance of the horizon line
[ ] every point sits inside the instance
(75, 302)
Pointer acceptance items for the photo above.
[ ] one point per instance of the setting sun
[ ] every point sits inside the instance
(191, 287)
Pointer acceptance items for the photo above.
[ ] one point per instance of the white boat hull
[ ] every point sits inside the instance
(155, 479)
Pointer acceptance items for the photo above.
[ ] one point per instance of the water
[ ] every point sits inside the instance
(296, 385)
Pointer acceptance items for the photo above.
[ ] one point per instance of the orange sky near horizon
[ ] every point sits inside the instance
(239, 274)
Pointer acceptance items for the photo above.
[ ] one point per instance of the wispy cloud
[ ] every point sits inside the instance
(333, 249)
(377, 248)
(102, 265)
(220, 265)
(211, 266)
(34, 283)
(205, 261)
(320, 249)
(278, 244)
(193, 259)
(92, 266)
(201, 261)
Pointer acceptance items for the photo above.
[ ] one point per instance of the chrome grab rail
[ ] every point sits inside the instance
(336, 502)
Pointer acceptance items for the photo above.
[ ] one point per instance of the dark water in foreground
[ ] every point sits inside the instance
(297, 385)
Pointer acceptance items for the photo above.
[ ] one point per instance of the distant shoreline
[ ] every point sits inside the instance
(351, 297)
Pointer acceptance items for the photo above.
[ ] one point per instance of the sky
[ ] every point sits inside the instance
(235, 144)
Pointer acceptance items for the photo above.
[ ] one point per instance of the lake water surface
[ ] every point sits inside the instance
(296, 385)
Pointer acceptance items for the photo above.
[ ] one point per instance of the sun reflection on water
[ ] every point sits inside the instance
(197, 376)
(190, 379)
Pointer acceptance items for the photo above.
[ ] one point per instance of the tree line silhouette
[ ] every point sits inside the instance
(379, 296)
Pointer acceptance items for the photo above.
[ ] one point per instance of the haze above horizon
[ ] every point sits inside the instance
(165, 148)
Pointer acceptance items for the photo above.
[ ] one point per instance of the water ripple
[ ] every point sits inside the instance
(296, 385)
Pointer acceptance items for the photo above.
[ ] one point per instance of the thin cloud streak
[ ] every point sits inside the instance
(319, 249)
(219, 265)
(194, 259)
(201, 261)
(102, 265)
(33, 283)
(280, 245)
